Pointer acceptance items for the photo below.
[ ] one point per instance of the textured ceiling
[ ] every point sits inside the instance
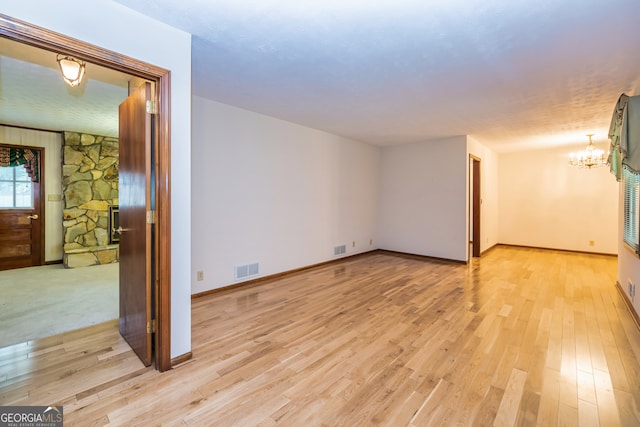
(33, 94)
(513, 74)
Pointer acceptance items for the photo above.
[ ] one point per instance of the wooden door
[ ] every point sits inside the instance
(20, 218)
(135, 237)
(476, 201)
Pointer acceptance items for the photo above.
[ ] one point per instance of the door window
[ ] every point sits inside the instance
(16, 188)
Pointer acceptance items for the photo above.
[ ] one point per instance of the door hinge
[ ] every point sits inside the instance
(152, 107)
(151, 327)
(151, 217)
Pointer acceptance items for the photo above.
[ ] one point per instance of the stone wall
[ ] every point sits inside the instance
(90, 185)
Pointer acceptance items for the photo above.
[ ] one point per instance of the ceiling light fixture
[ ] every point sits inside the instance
(591, 157)
(72, 69)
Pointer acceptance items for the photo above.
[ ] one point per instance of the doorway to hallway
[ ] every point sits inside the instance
(158, 254)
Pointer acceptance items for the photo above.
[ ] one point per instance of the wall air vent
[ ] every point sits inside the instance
(339, 250)
(248, 270)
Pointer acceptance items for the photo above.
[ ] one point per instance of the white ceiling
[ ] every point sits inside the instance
(513, 74)
(33, 94)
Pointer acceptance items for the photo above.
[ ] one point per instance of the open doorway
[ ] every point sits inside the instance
(159, 254)
(475, 202)
(54, 208)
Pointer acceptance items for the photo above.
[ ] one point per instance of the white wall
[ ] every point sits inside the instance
(273, 192)
(117, 28)
(489, 226)
(423, 199)
(546, 203)
(52, 143)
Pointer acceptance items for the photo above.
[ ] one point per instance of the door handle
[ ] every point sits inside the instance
(118, 230)
(34, 216)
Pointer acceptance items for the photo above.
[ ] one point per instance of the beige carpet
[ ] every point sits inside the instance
(37, 302)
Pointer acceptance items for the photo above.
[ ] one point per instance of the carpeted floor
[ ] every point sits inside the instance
(37, 302)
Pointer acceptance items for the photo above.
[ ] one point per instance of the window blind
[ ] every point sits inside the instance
(631, 208)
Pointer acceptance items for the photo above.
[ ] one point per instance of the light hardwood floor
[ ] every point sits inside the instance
(519, 337)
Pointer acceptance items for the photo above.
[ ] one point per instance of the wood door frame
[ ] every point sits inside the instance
(475, 203)
(29, 34)
(41, 194)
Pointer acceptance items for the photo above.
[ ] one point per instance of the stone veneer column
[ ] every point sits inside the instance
(90, 186)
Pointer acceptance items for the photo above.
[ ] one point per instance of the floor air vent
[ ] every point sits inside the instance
(339, 250)
(248, 270)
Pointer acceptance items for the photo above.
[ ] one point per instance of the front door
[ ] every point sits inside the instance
(135, 231)
(20, 217)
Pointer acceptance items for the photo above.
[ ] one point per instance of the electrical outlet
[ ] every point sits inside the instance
(370, 242)
(353, 244)
(592, 242)
(200, 276)
(632, 288)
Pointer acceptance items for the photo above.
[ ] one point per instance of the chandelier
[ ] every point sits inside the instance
(591, 157)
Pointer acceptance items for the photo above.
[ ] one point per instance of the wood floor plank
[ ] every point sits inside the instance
(488, 408)
(529, 407)
(517, 337)
(596, 349)
(550, 397)
(587, 414)
(627, 408)
(586, 387)
(554, 347)
(608, 412)
(567, 415)
(510, 404)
